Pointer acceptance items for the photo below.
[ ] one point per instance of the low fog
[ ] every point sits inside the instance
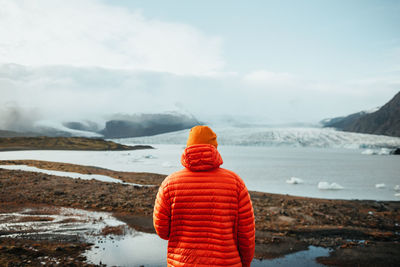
(65, 93)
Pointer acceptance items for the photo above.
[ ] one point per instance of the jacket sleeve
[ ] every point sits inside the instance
(162, 212)
(246, 228)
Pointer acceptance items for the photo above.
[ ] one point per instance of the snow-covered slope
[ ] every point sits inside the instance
(57, 128)
(263, 136)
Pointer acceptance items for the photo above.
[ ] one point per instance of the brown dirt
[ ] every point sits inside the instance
(62, 143)
(284, 224)
(22, 252)
(130, 177)
(112, 230)
(378, 254)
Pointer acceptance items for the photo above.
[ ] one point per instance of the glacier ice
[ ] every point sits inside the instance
(267, 136)
(329, 186)
(381, 151)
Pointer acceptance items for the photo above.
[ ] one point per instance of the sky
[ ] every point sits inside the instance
(267, 62)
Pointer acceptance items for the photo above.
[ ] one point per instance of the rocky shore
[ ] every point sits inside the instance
(364, 233)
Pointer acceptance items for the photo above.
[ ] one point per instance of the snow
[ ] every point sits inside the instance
(74, 175)
(372, 110)
(267, 136)
(58, 126)
(329, 186)
(295, 180)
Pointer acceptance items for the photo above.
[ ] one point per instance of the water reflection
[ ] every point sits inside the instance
(305, 258)
(134, 249)
(141, 249)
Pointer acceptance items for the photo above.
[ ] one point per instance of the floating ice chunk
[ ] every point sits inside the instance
(380, 186)
(397, 195)
(294, 180)
(396, 187)
(328, 186)
(368, 152)
(382, 151)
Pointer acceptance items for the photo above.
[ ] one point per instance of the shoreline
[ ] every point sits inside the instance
(63, 143)
(356, 230)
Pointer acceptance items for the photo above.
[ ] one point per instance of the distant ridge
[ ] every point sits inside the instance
(118, 126)
(63, 143)
(385, 121)
(147, 124)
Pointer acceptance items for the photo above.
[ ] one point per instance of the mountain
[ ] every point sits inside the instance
(343, 122)
(384, 121)
(6, 133)
(147, 124)
(117, 126)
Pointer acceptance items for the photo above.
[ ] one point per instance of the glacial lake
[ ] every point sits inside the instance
(266, 169)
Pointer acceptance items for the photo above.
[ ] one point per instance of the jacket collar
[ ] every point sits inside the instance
(201, 157)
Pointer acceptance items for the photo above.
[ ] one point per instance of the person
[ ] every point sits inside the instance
(205, 211)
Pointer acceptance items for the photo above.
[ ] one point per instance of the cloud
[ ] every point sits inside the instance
(16, 118)
(91, 33)
(65, 93)
(60, 62)
(270, 78)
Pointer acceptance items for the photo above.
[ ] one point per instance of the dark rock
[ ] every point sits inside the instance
(396, 151)
(147, 124)
(385, 121)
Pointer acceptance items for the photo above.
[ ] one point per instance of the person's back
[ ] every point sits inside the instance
(205, 211)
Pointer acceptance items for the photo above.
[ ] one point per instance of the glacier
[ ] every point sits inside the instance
(286, 136)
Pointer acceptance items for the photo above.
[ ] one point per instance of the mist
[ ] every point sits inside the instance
(16, 118)
(65, 93)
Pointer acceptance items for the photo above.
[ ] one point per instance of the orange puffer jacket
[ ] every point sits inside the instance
(205, 212)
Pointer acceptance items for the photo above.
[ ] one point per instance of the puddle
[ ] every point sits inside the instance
(148, 250)
(66, 222)
(134, 249)
(74, 175)
(143, 249)
(129, 248)
(305, 258)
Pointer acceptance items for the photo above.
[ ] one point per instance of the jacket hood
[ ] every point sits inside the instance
(201, 157)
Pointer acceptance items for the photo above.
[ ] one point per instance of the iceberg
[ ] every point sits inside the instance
(294, 180)
(368, 152)
(382, 151)
(380, 186)
(329, 186)
(396, 187)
